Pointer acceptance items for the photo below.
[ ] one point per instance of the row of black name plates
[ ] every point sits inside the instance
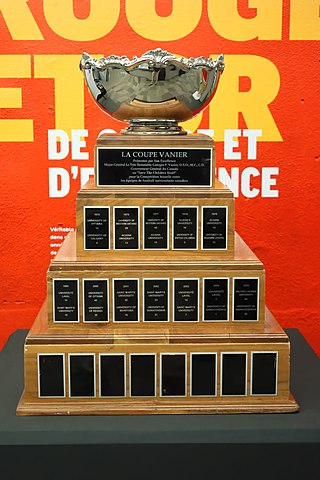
(163, 300)
(184, 223)
(108, 378)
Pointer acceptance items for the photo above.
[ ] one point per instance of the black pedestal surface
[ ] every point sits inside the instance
(268, 446)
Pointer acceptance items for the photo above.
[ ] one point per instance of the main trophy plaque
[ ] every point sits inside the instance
(155, 305)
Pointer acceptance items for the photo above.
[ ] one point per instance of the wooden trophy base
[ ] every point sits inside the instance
(155, 305)
(191, 373)
(155, 407)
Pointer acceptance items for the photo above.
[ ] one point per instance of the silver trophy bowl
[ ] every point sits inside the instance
(153, 92)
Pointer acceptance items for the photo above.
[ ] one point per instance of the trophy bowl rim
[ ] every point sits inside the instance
(156, 58)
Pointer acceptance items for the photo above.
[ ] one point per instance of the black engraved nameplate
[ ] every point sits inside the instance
(96, 228)
(65, 300)
(155, 228)
(125, 300)
(185, 228)
(51, 375)
(216, 299)
(214, 228)
(154, 166)
(126, 228)
(95, 298)
(245, 299)
(155, 300)
(186, 300)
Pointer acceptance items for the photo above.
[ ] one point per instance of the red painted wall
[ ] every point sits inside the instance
(271, 82)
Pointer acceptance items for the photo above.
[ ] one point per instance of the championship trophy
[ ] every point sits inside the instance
(155, 304)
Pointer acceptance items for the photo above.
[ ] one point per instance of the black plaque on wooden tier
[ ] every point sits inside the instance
(126, 228)
(264, 373)
(125, 300)
(142, 375)
(96, 228)
(155, 300)
(81, 375)
(51, 379)
(112, 375)
(155, 228)
(245, 299)
(95, 300)
(203, 374)
(185, 228)
(65, 300)
(154, 166)
(214, 228)
(234, 376)
(215, 299)
(186, 301)
(173, 375)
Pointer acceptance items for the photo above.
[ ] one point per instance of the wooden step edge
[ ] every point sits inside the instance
(156, 407)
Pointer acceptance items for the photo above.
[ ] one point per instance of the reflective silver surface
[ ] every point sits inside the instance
(153, 92)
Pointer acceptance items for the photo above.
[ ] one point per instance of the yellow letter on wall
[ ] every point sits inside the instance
(228, 102)
(68, 88)
(101, 20)
(19, 20)
(304, 20)
(14, 130)
(145, 21)
(226, 21)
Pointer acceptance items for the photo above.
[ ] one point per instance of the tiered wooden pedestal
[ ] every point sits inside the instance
(125, 344)
(155, 305)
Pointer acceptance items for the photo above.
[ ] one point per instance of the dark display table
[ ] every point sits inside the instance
(277, 446)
